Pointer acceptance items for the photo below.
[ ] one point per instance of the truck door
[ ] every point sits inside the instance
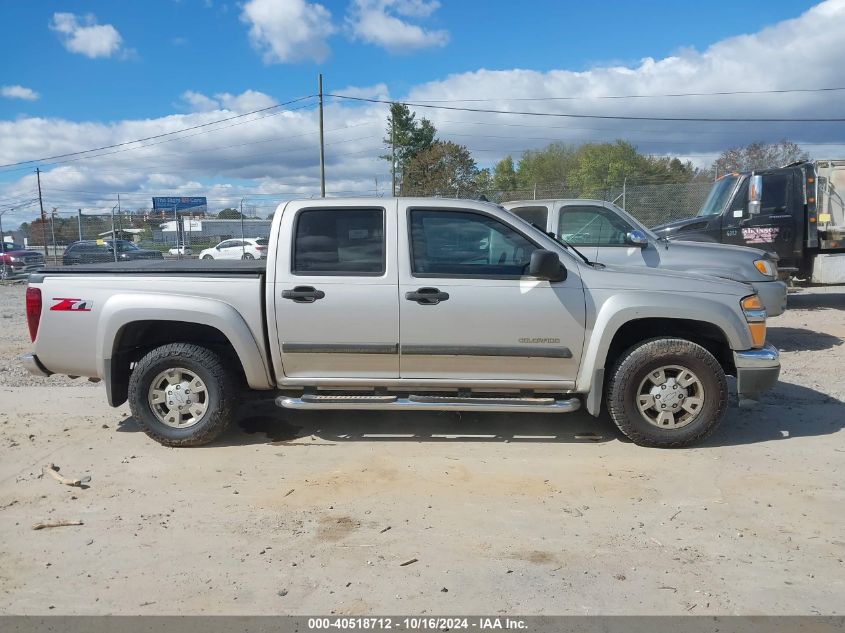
(466, 310)
(773, 229)
(337, 311)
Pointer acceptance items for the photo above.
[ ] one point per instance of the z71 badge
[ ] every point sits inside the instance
(72, 305)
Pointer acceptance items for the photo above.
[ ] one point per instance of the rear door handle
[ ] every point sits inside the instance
(427, 296)
(303, 294)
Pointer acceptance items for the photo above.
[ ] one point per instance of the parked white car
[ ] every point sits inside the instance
(182, 249)
(247, 248)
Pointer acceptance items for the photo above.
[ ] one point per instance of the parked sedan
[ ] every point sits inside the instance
(17, 261)
(607, 234)
(94, 251)
(247, 248)
(184, 250)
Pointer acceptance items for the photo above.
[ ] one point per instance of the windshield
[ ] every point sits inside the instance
(718, 196)
(11, 246)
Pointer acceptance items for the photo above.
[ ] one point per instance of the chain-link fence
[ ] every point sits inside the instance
(652, 204)
(186, 234)
(177, 235)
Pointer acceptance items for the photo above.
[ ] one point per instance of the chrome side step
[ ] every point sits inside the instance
(430, 403)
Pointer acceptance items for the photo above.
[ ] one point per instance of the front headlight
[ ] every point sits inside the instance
(766, 267)
(12, 258)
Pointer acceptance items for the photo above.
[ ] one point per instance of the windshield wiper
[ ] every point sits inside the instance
(566, 244)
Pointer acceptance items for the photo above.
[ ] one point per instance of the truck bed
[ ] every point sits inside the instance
(215, 267)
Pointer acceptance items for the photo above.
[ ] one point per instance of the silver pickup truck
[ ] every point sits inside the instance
(607, 234)
(404, 304)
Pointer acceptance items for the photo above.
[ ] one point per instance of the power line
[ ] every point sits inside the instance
(589, 116)
(156, 136)
(655, 96)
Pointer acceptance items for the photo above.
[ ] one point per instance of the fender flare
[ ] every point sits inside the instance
(625, 307)
(123, 309)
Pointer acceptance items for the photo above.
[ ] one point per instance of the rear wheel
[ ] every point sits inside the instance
(667, 392)
(181, 394)
(247, 256)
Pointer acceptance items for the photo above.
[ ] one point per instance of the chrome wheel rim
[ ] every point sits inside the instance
(178, 397)
(670, 397)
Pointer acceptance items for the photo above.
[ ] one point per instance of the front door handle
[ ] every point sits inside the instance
(303, 294)
(427, 296)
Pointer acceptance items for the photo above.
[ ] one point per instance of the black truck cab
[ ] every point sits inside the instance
(728, 215)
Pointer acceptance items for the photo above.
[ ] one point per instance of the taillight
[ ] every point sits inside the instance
(33, 311)
(261, 248)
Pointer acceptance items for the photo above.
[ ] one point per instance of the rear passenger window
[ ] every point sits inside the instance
(538, 216)
(339, 242)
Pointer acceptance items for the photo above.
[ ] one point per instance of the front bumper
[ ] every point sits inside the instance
(772, 294)
(34, 366)
(757, 371)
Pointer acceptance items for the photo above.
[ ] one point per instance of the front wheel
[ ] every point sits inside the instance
(667, 392)
(181, 394)
(207, 257)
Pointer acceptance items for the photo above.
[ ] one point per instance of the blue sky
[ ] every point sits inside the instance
(194, 45)
(80, 75)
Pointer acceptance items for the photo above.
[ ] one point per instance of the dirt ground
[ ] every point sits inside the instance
(317, 513)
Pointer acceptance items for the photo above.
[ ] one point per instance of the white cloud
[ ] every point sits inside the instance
(19, 92)
(378, 22)
(288, 30)
(247, 101)
(278, 154)
(82, 34)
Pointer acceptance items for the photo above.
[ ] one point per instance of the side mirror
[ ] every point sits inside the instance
(637, 238)
(546, 265)
(755, 194)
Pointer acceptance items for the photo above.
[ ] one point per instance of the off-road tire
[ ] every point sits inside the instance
(210, 367)
(631, 368)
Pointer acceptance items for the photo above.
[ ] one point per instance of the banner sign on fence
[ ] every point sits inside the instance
(194, 204)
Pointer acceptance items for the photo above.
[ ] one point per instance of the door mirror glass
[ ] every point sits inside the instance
(755, 194)
(636, 238)
(546, 265)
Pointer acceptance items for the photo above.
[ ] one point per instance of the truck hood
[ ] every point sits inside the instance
(661, 280)
(720, 260)
(678, 227)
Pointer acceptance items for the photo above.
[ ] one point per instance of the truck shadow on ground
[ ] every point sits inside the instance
(789, 411)
(816, 301)
(793, 339)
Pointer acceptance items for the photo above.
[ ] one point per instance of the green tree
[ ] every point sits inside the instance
(409, 136)
(229, 214)
(445, 169)
(504, 175)
(601, 165)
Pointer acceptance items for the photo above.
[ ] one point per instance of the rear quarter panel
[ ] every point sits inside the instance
(78, 341)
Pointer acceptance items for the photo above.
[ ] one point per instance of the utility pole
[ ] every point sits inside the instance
(113, 241)
(79, 222)
(43, 217)
(322, 145)
(3, 237)
(53, 234)
(243, 244)
(393, 150)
